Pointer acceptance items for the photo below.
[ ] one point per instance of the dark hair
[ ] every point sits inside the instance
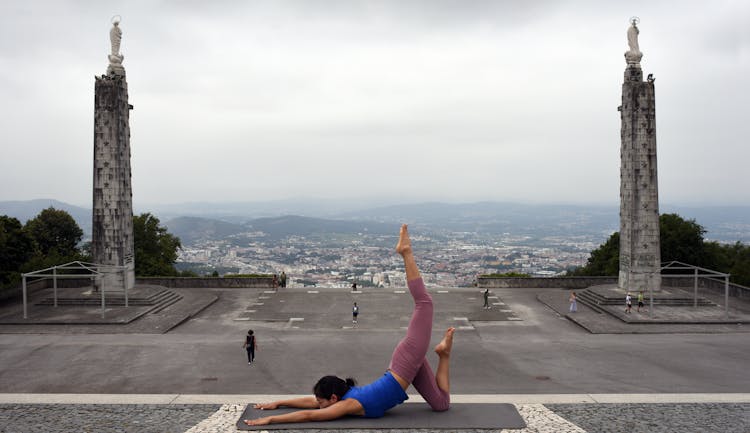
(329, 385)
(250, 332)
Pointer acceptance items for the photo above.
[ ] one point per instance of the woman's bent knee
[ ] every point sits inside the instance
(441, 406)
(439, 402)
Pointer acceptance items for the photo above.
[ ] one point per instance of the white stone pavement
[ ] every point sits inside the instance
(530, 406)
(538, 419)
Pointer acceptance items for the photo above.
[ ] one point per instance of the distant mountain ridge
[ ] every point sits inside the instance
(299, 225)
(498, 217)
(193, 229)
(201, 220)
(28, 209)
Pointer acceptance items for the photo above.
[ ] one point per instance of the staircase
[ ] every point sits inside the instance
(591, 300)
(159, 300)
(597, 301)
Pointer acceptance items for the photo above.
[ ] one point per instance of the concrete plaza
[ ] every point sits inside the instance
(521, 351)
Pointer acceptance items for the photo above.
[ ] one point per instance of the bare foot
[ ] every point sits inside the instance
(404, 243)
(443, 349)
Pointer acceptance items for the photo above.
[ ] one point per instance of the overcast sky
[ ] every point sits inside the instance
(393, 100)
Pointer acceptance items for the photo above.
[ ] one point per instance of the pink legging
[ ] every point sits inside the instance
(408, 360)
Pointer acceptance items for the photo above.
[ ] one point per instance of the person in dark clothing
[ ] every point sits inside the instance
(486, 299)
(250, 345)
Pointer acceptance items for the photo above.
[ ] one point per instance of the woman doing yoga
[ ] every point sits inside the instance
(335, 397)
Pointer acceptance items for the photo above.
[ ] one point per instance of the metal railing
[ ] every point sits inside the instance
(76, 269)
(697, 272)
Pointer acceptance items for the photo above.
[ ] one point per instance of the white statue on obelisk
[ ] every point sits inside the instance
(633, 55)
(115, 57)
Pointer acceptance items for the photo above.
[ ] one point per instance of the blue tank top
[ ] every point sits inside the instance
(379, 396)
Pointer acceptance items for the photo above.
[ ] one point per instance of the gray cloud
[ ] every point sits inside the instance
(444, 100)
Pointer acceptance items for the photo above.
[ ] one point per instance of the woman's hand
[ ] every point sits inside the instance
(264, 406)
(258, 421)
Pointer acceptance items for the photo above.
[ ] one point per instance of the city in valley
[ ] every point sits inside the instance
(447, 259)
(454, 242)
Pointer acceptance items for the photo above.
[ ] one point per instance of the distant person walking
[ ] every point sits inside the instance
(283, 279)
(573, 302)
(250, 345)
(355, 313)
(354, 286)
(640, 300)
(486, 299)
(275, 281)
(628, 303)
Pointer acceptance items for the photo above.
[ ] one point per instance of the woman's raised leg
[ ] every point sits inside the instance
(408, 362)
(404, 248)
(410, 352)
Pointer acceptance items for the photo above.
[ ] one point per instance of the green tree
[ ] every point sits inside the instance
(155, 248)
(16, 248)
(738, 263)
(55, 233)
(681, 240)
(56, 236)
(717, 256)
(604, 260)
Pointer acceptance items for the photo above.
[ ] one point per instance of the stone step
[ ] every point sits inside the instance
(590, 301)
(110, 301)
(165, 302)
(590, 297)
(160, 296)
(114, 300)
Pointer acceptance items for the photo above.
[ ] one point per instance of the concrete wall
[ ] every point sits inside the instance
(715, 286)
(169, 282)
(207, 282)
(37, 285)
(577, 283)
(544, 282)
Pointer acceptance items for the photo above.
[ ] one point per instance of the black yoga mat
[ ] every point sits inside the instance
(406, 416)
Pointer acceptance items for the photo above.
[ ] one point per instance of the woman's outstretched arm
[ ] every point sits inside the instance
(299, 403)
(334, 411)
(404, 248)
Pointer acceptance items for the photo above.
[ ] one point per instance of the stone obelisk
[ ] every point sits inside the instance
(640, 256)
(112, 232)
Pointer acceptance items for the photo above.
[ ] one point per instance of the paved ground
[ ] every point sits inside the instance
(663, 320)
(520, 347)
(112, 319)
(76, 415)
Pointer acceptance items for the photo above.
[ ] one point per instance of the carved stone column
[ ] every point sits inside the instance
(640, 250)
(112, 228)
